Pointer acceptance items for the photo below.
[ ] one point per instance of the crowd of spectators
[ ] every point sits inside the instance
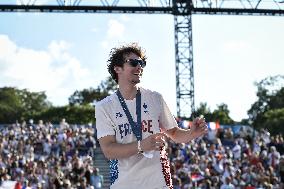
(229, 160)
(45, 156)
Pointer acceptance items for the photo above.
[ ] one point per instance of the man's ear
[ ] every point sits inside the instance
(117, 69)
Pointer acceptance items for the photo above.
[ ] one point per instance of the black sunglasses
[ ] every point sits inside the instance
(135, 62)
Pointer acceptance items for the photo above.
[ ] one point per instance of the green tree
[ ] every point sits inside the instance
(221, 114)
(16, 104)
(11, 108)
(80, 114)
(204, 110)
(33, 103)
(274, 121)
(270, 93)
(108, 85)
(88, 96)
(276, 100)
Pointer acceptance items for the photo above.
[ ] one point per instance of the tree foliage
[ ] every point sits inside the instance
(274, 121)
(11, 108)
(221, 114)
(91, 95)
(80, 114)
(86, 96)
(267, 111)
(21, 104)
(16, 104)
(204, 110)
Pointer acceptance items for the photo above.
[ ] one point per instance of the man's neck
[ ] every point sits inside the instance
(128, 92)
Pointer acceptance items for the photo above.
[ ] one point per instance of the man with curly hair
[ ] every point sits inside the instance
(133, 124)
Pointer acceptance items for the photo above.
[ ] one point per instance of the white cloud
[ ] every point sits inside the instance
(7, 47)
(125, 18)
(53, 70)
(94, 29)
(58, 49)
(115, 33)
(236, 46)
(115, 29)
(105, 44)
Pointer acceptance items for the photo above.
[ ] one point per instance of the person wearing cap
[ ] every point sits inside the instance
(133, 123)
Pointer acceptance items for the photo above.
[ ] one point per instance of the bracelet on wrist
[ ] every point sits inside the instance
(140, 151)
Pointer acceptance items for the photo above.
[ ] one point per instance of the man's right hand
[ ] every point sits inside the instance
(153, 142)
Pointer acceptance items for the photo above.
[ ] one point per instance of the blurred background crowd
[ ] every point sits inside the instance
(46, 156)
(224, 159)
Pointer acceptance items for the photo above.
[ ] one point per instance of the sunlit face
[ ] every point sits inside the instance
(130, 74)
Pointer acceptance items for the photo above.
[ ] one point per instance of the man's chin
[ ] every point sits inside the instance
(135, 81)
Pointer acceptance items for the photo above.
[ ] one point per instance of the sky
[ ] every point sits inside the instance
(59, 53)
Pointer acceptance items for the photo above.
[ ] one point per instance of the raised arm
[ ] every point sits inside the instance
(180, 135)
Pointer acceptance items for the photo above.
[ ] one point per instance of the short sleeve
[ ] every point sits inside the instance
(104, 125)
(166, 118)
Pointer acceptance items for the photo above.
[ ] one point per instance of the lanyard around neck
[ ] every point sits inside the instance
(135, 126)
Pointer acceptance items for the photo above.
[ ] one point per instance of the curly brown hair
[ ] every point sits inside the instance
(117, 55)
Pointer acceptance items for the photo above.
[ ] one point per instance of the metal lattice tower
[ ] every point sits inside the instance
(182, 11)
(184, 58)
